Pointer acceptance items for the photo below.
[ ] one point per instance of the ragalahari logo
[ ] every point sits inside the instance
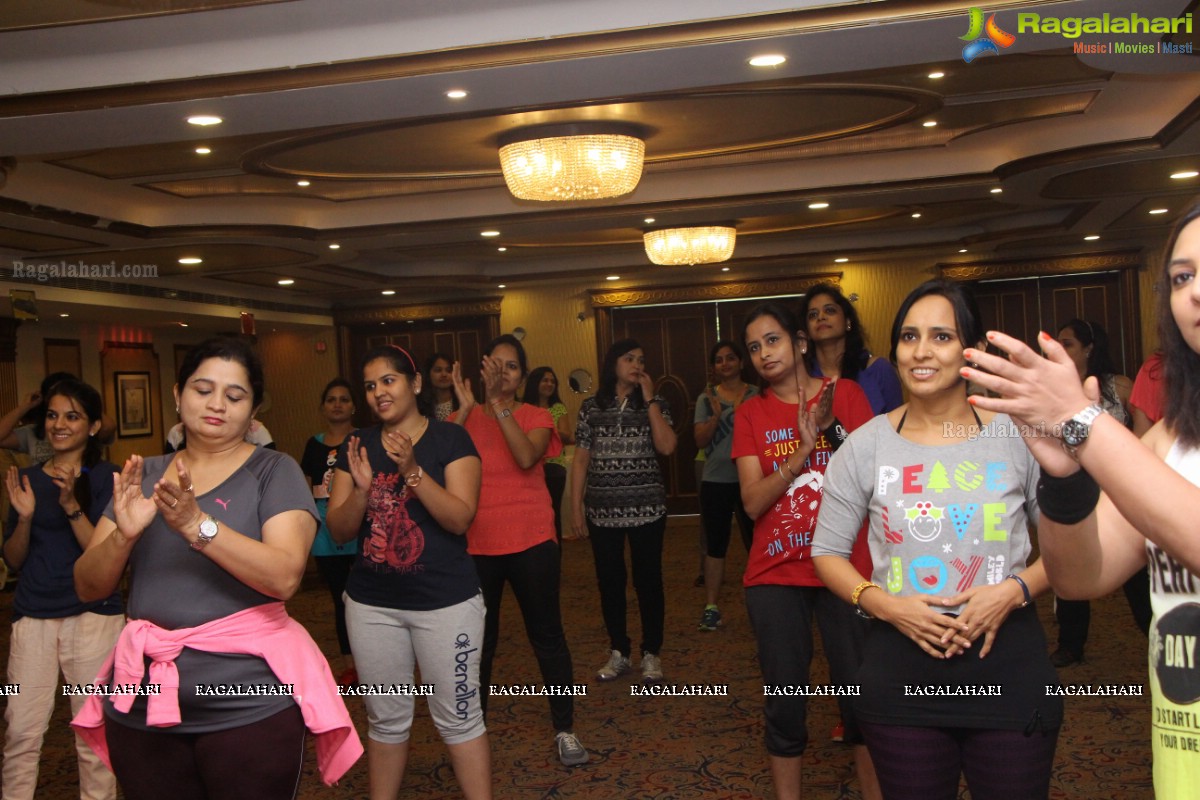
(983, 38)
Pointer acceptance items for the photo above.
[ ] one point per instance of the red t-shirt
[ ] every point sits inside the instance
(764, 426)
(1148, 388)
(514, 511)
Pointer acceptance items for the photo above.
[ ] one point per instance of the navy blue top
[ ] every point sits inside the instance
(406, 560)
(46, 589)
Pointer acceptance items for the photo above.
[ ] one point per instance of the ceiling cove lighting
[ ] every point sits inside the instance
(709, 244)
(573, 161)
(203, 151)
(768, 60)
(191, 260)
(818, 205)
(456, 94)
(1182, 176)
(204, 120)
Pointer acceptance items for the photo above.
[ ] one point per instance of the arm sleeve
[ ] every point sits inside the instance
(285, 488)
(843, 504)
(743, 432)
(537, 418)
(583, 429)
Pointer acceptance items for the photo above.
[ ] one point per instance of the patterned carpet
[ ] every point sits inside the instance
(673, 748)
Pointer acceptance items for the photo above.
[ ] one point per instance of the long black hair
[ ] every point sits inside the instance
(402, 362)
(1181, 363)
(1099, 360)
(606, 394)
(532, 393)
(86, 399)
(427, 371)
(855, 356)
(37, 415)
(966, 311)
(787, 320)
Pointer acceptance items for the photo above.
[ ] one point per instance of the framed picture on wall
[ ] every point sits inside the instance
(133, 404)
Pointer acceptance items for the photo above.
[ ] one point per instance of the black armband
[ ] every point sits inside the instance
(1069, 500)
(836, 434)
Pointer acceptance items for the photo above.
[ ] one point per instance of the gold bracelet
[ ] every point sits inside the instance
(858, 590)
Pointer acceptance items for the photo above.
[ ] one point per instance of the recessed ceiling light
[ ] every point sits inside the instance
(335, 246)
(439, 319)
(286, 282)
(502, 286)
(388, 292)
(182, 324)
(724, 269)
(1091, 238)
(489, 233)
(411, 321)
(963, 250)
(818, 206)
(204, 120)
(203, 151)
(191, 260)
(613, 278)
(929, 123)
(501, 249)
(841, 260)
(649, 220)
(303, 183)
(916, 215)
(768, 60)
(936, 75)
(64, 315)
(997, 190)
(1159, 210)
(1179, 176)
(456, 94)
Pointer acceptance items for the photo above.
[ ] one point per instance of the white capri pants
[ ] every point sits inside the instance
(388, 643)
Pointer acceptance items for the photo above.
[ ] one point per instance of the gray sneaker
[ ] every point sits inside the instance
(570, 752)
(651, 668)
(617, 666)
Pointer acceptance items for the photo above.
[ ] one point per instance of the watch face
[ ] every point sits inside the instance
(1075, 432)
(414, 479)
(208, 528)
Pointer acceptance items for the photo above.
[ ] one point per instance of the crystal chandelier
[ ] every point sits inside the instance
(576, 161)
(709, 244)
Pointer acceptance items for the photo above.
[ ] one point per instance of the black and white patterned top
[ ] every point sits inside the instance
(624, 483)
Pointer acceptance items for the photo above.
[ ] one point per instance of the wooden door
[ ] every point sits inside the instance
(1023, 307)
(677, 340)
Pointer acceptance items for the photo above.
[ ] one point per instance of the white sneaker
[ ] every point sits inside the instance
(570, 752)
(617, 665)
(651, 668)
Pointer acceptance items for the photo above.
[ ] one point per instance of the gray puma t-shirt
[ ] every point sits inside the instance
(175, 587)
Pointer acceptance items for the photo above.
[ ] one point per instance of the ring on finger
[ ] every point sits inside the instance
(175, 503)
(189, 488)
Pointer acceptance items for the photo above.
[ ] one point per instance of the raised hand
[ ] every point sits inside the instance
(360, 466)
(177, 501)
(1039, 393)
(714, 402)
(64, 479)
(132, 510)
(490, 374)
(462, 390)
(399, 448)
(20, 494)
(807, 429)
(823, 411)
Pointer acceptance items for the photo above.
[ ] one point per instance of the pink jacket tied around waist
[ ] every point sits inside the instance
(265, 631)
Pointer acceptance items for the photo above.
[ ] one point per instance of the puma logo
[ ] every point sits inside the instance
(224, 503)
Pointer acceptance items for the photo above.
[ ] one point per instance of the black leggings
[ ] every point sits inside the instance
(925, 763)
(335, 570)
(259, 761)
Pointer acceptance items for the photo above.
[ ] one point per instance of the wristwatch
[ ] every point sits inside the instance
(208, 531)
(415, 478)
(1075, 431)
